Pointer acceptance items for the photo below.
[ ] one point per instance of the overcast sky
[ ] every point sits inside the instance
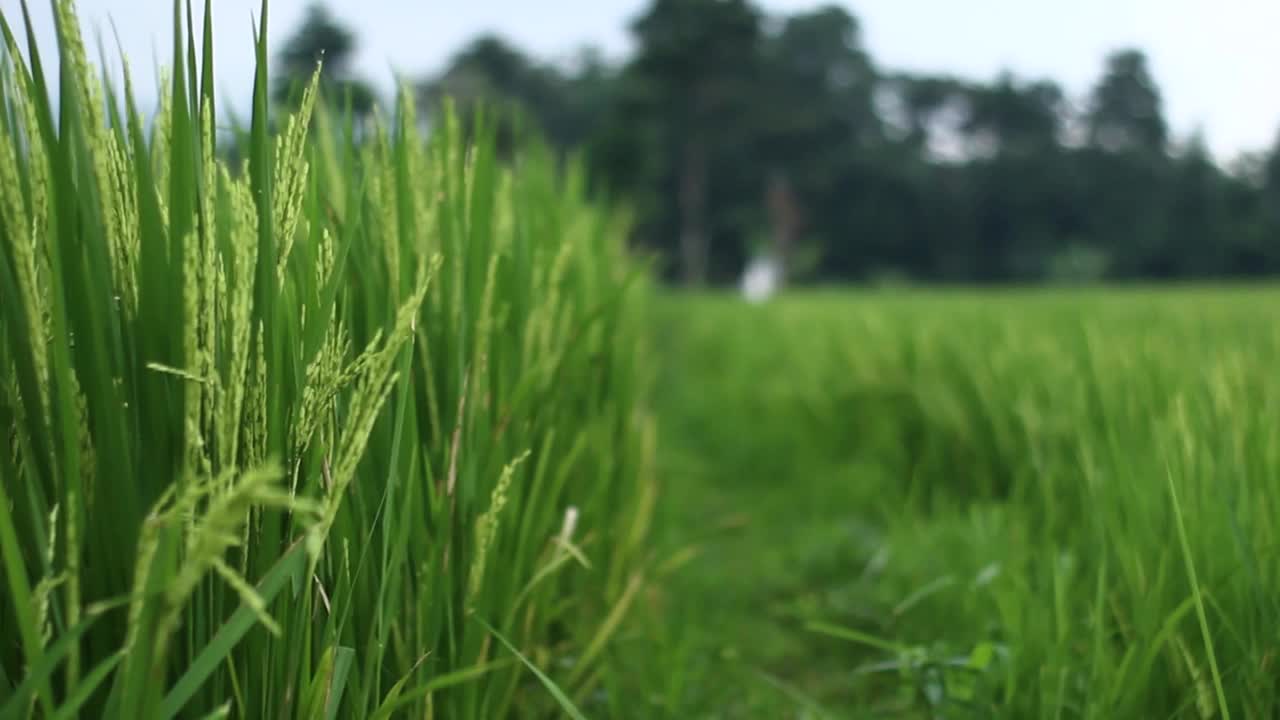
(1216, 60)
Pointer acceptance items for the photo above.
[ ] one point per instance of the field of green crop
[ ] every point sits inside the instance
(379, 424)
(352, 430)
(963, 504)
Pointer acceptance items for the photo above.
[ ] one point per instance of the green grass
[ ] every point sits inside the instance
(974, 504)
(325, 435)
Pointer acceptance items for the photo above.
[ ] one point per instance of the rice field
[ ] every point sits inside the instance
(375, 423)
(975, 504)
(348, 430)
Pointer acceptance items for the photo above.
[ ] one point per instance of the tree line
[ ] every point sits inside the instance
(736, 134)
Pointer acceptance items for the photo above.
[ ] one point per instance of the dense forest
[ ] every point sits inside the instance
(736, 134)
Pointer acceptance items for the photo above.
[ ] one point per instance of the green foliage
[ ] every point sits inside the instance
(944, 179)
(1018, 504)
(560, 104)
(261, 432)
(322, 40)
(1126, 111)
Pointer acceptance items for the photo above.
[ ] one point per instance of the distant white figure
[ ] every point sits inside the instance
(760, 280)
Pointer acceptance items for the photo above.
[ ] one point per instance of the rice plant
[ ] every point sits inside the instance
(354, 429)
(1012, 504)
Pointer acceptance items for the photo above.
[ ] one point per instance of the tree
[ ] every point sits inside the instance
(923, 107)
(1126, 111)
(589, 84)
(815, 109)
(1015, 117)
(1201, 234)
(695, 74)
(490, 72)
(1130, 176)
(1021, 193)
(322, 39)
(1253, 199)
(493, 74)
(1270, 180)
(726, 127)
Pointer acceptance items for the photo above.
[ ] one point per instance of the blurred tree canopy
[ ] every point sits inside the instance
(735, 133)
(322, 39)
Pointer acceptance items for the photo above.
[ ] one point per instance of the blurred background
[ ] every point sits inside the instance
(872, 142)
